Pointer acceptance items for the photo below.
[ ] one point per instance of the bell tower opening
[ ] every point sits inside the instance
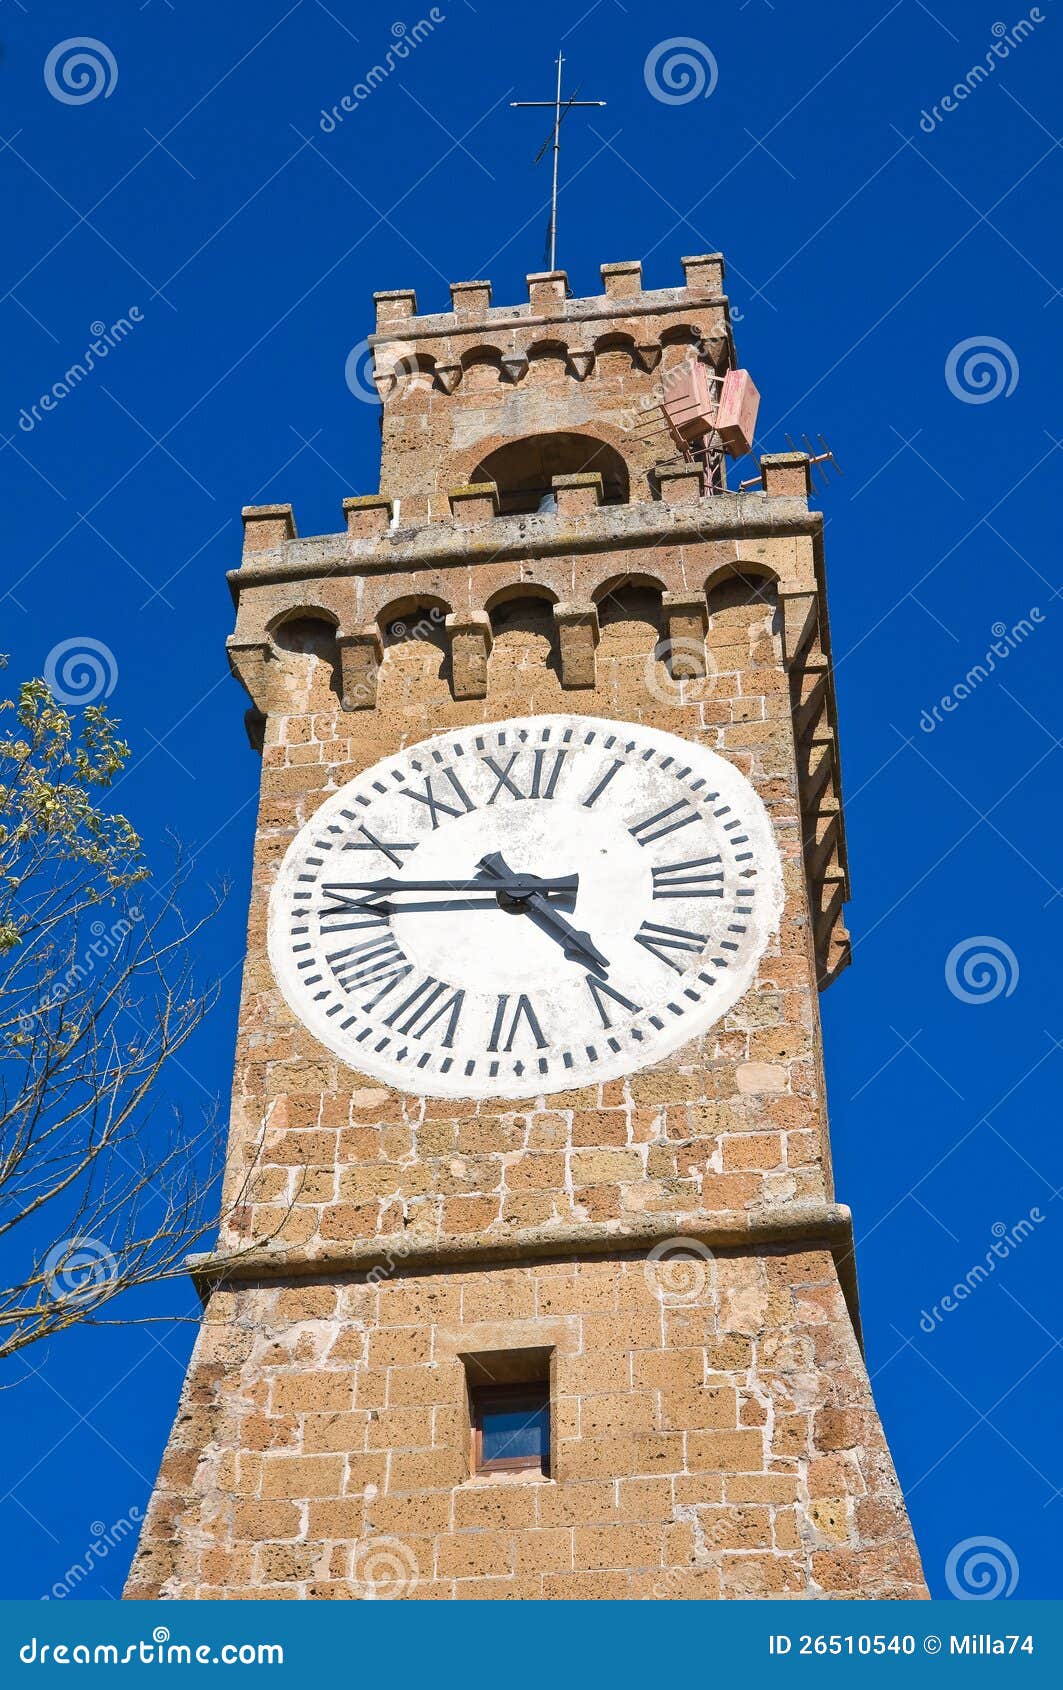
(523, 470)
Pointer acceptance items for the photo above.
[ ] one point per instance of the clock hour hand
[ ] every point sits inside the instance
(577, 946)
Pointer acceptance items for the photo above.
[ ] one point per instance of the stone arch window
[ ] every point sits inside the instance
(743, 609)
(305, 643)
(418, 618)
(523, 470)
(741, 587)
(525, 650)
(631, 599)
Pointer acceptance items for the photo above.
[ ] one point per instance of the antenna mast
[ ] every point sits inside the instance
(559, 114)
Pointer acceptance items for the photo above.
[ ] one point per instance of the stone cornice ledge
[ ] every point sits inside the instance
(803, 1223)
(606, 307)
(439, 544)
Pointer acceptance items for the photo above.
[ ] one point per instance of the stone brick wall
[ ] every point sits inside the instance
(717, 1441)
(724, 1445)
(735, 1123)
(458, 384)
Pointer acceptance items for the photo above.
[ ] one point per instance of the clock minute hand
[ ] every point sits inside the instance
(577, 946)
(517, 885)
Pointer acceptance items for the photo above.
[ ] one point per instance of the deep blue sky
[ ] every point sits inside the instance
(861, 251)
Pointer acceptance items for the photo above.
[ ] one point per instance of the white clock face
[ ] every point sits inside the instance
(525, 907)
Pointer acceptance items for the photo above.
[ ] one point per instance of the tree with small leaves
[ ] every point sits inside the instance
(100, 1191)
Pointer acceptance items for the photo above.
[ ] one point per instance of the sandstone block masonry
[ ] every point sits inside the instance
(528, 551)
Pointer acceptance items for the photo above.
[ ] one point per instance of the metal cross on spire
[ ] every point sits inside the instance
(560, 111)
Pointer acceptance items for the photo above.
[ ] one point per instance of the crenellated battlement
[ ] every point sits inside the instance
(582, 377)
(550, 301)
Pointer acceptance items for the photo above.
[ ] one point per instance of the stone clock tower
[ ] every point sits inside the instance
(532, 1282)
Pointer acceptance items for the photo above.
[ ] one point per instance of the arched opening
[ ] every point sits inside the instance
(525, 662)
(741, 588)
(305, 643)
(415, 669)
(628, 607)
(523, 470)
(743, 606)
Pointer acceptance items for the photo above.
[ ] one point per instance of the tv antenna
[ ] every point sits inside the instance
(815, 462)
(561, 111)
(816, 459)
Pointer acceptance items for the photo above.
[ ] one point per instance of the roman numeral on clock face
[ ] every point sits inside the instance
(372, 962)
(420, 1011)
(547, 764)
(436, 805)
(388, 848)
(699, 877)
(340, 903)
(600, 991)
(596, 792)
(660, 941)
(677, 815)
(510, 1018)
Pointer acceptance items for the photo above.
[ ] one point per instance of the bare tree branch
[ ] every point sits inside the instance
(98, 996)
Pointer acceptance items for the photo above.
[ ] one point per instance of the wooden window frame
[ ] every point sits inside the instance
(535, 1393)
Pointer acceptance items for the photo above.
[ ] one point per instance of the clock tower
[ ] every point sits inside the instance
(532, 1281)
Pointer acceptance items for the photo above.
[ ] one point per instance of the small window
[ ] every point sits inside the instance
(510, 1427)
